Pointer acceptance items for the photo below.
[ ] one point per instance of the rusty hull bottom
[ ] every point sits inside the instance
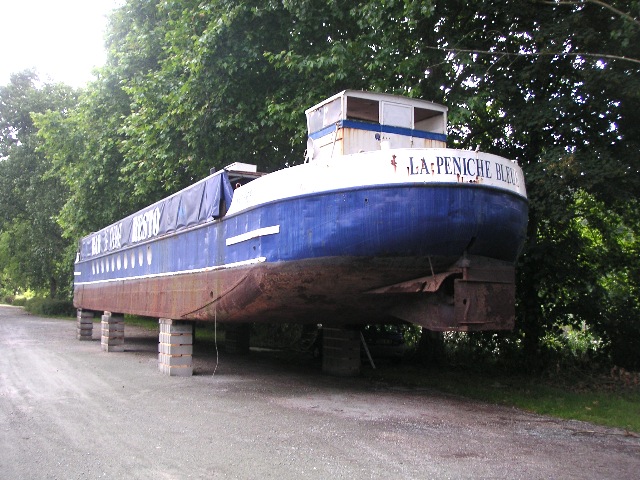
(439, 294)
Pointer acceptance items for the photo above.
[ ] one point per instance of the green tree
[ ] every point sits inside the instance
(205, 103)
(83, 145)
(32, 251)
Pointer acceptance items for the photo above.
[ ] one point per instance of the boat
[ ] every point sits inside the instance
(379, 222)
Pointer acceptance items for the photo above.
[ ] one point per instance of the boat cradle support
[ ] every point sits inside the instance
(474, 294)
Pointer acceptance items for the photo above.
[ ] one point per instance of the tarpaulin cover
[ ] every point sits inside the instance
(199, 203)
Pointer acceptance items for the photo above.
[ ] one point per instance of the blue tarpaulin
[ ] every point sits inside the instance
(199, 203)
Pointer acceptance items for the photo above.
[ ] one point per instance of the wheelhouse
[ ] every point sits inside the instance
(354, 121)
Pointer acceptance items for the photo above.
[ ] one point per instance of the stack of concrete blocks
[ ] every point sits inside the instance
(175, 347)
(341, 351)
(84, 330)
(112, 332)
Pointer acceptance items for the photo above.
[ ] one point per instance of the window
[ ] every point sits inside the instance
(325, 115)
(362, 109)
(429, 120)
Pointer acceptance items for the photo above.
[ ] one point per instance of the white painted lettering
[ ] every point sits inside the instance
(145, 225)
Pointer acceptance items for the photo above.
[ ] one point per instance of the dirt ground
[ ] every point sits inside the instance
(70, 411)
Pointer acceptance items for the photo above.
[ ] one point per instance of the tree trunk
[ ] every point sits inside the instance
(53, 287)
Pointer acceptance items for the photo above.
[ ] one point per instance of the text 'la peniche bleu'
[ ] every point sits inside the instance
(471, 167)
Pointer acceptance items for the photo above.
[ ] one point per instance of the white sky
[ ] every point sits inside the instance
(63, 40)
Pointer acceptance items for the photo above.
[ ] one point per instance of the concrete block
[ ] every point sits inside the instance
(112, 319)
(84, 334)
(113, 330)
(113, 337)
(111, 322)
(117, 332)
(113, 327)
(176, 371)
(176, 339)
(175, 349)
(176, 328)
(172, 360)
(172, 321)
(181, 371)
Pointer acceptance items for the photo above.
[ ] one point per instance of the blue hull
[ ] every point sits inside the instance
(440, 221)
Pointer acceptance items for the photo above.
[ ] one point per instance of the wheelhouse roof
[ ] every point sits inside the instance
(399, 99)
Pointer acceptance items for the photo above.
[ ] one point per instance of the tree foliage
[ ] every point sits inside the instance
(33, 253)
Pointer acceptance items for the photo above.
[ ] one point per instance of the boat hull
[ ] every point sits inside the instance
(312, 258)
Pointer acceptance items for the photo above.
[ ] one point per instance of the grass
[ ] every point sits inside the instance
(142, 322)
(609, 401)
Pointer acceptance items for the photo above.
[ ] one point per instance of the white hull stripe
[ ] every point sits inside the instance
(182, 272)
(260, 232)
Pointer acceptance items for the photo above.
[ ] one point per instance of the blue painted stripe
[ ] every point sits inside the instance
(374, 127)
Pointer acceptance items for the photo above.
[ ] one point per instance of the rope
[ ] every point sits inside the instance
(215, 335)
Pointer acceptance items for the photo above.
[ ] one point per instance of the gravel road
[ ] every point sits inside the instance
(70, 411)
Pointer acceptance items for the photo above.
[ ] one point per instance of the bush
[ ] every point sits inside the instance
(19, 301)
(481, 350)
(47, 306)
(281, 335)
(8, 299)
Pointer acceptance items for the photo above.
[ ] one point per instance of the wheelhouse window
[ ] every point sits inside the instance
(428, 120)
(363, 109)
(327, 114)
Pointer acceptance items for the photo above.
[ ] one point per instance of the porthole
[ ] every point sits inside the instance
(149, 255)
(118, 262)
(140, 257)
(102, 266)
(133, 259)
(126, 261)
